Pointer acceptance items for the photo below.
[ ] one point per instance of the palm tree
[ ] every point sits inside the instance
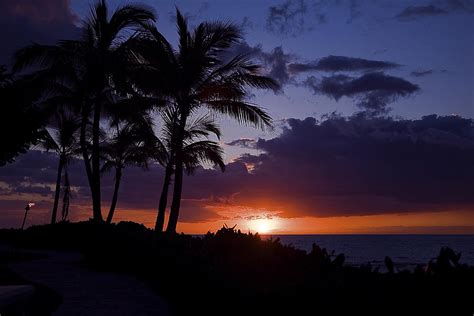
(195, 152)
(99, 59)
(64, 142)
(133, 143)
(196, 76)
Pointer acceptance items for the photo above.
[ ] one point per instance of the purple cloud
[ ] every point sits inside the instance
(336, 167)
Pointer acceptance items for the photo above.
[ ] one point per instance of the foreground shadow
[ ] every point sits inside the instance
(232, 273)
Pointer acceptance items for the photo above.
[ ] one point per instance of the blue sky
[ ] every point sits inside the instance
(441, 44)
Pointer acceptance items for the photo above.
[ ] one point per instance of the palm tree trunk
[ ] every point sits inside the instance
(96, 198)
(178, 177)
(67, 194)
(85, 151)
(160, 219)
(58, 190)
(176, 203)
(118, 176)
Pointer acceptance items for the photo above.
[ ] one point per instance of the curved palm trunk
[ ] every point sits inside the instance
(67, 195)
(118, 176)
(160, 219)
(96, 198)
(58, 190)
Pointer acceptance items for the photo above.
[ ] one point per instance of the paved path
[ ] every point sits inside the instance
(88, 292)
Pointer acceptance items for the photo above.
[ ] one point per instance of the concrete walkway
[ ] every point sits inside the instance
(88, 292)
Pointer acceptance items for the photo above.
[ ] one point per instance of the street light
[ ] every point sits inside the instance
(27, 208)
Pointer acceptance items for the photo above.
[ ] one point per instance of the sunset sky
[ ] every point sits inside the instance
(373, 129)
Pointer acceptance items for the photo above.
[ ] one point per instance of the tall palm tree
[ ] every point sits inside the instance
(133, 143)
(99, 58)
(195, 152)
(65, 143)
(196, 76)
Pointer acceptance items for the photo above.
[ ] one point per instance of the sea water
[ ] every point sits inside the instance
(406, 251)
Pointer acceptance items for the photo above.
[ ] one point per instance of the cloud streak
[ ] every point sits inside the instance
(421, 73)
(438, 8)
(341, 63)
(373, 91)
(243, 143)
(291, 18)
(295, 17)
(414, 12)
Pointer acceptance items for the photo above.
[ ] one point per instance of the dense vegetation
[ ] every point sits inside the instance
(21, 122)
(234, 273)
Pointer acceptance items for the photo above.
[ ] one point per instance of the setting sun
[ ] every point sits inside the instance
(262, 226)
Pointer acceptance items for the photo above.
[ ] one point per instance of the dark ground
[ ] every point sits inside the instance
(233, 273)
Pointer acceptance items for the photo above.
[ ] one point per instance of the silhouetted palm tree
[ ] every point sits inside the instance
(99, 59)
(64, 142)
(195, 152)
(133, 143)
(196, 76)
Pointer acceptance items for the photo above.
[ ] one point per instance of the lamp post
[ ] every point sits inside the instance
(27, 208)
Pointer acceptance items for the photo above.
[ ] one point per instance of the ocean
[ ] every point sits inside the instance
(406, 251)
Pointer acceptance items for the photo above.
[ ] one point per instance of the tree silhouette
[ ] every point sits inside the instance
(133, 143)
(196, 76)
(196, 151)
(107, 66)
(99, 59)
(21, 123)
(64, 141)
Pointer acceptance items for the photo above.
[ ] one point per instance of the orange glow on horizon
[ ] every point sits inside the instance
(416, 223)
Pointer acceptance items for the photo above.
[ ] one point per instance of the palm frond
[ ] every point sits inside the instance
(183, 32)
(48, 142)
(36, 55)
(243, 112)
(130, 16)
(220, 35)
(107, 166)
(202, 127)
(201, 152)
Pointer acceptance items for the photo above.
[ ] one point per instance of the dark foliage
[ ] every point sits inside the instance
(20, 122)
(234, 273)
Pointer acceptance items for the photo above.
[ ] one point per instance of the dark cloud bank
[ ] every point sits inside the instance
(337, 167)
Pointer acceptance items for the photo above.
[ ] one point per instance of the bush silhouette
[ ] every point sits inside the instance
(233, 273)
